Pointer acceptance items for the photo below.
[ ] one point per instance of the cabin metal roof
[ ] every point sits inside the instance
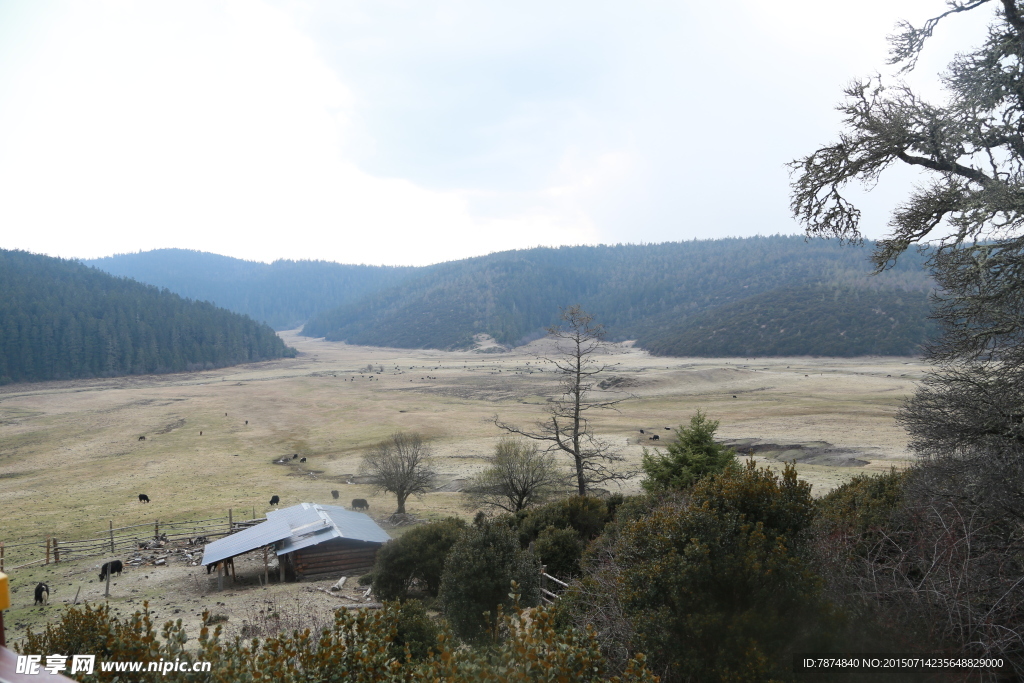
(297, 527)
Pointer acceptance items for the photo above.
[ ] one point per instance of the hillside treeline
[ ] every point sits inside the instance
(675, 299)
(283, 294)
(831, 320)
(679, 298)
(60, 319)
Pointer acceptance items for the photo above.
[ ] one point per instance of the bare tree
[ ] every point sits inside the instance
(519, 476)
(400, 465)
(567, 428)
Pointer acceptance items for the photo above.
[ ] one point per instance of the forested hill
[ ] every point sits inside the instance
(680, 298)
(283, 294)
(830, 320)
(60, 319)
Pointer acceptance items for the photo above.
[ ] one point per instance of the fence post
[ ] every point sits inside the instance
(156, 531)
(47, 550)
(1, 556)
(111, 535)
(56, 552)
(230, 522)
(266, 566)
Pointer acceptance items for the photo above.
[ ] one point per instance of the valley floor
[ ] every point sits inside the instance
(71, 459)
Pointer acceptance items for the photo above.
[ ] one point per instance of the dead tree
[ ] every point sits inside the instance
(567, 428)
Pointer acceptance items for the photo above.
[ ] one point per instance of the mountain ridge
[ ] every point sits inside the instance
(663, 295)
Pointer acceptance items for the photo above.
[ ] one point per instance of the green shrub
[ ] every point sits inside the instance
(694, 455)
(480, 568)
(864, 504)
(584, 514)
(361, 645)
(416, 629)
(560, 551)
(418, 555)
(715, 584)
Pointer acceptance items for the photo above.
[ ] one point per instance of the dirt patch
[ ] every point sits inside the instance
(618, 383)
(453, 486)
(814, 453)
(177, 424)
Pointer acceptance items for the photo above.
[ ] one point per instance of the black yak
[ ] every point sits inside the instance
(114, 567)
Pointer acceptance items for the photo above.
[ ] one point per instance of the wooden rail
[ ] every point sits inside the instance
(115, 539)
(546, 595)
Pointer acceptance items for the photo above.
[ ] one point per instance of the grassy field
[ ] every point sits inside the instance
(71, 459)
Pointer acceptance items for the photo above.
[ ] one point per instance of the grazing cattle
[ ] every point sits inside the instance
(200, 433)
(668, 428)
(143, 438)
(143, 498)
(229, 562)
(114, 567)
(360, 504)
(246, 422)
(302, 460)
(295, 456)
(275, 500)
(655, 438)
(641, 431)
(334, 494)
(42, 594)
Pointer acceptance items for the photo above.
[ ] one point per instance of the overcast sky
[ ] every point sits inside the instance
(411, 132)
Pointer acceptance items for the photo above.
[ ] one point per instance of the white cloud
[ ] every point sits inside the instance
(410, 132)
(214, 127)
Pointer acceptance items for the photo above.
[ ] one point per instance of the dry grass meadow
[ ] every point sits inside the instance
(71, 459)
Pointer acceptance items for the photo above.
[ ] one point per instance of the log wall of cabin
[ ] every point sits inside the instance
(337, 556)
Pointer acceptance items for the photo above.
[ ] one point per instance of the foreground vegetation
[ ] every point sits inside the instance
(724, 579)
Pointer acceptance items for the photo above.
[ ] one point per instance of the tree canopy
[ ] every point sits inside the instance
(695, 454)
(62, 320)
(400, 464)
(970, 148)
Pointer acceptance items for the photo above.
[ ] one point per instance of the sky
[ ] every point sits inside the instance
(401, 132)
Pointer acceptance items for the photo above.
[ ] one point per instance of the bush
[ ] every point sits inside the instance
(863, 505)
(694, 455)
(419, 555)
(587, 516)
(361, 645)
(477, 576)
(560, 551)
(714, 584)
(415, 629)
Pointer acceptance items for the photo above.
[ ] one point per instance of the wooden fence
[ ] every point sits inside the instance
(546, 595)
(114, 540)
